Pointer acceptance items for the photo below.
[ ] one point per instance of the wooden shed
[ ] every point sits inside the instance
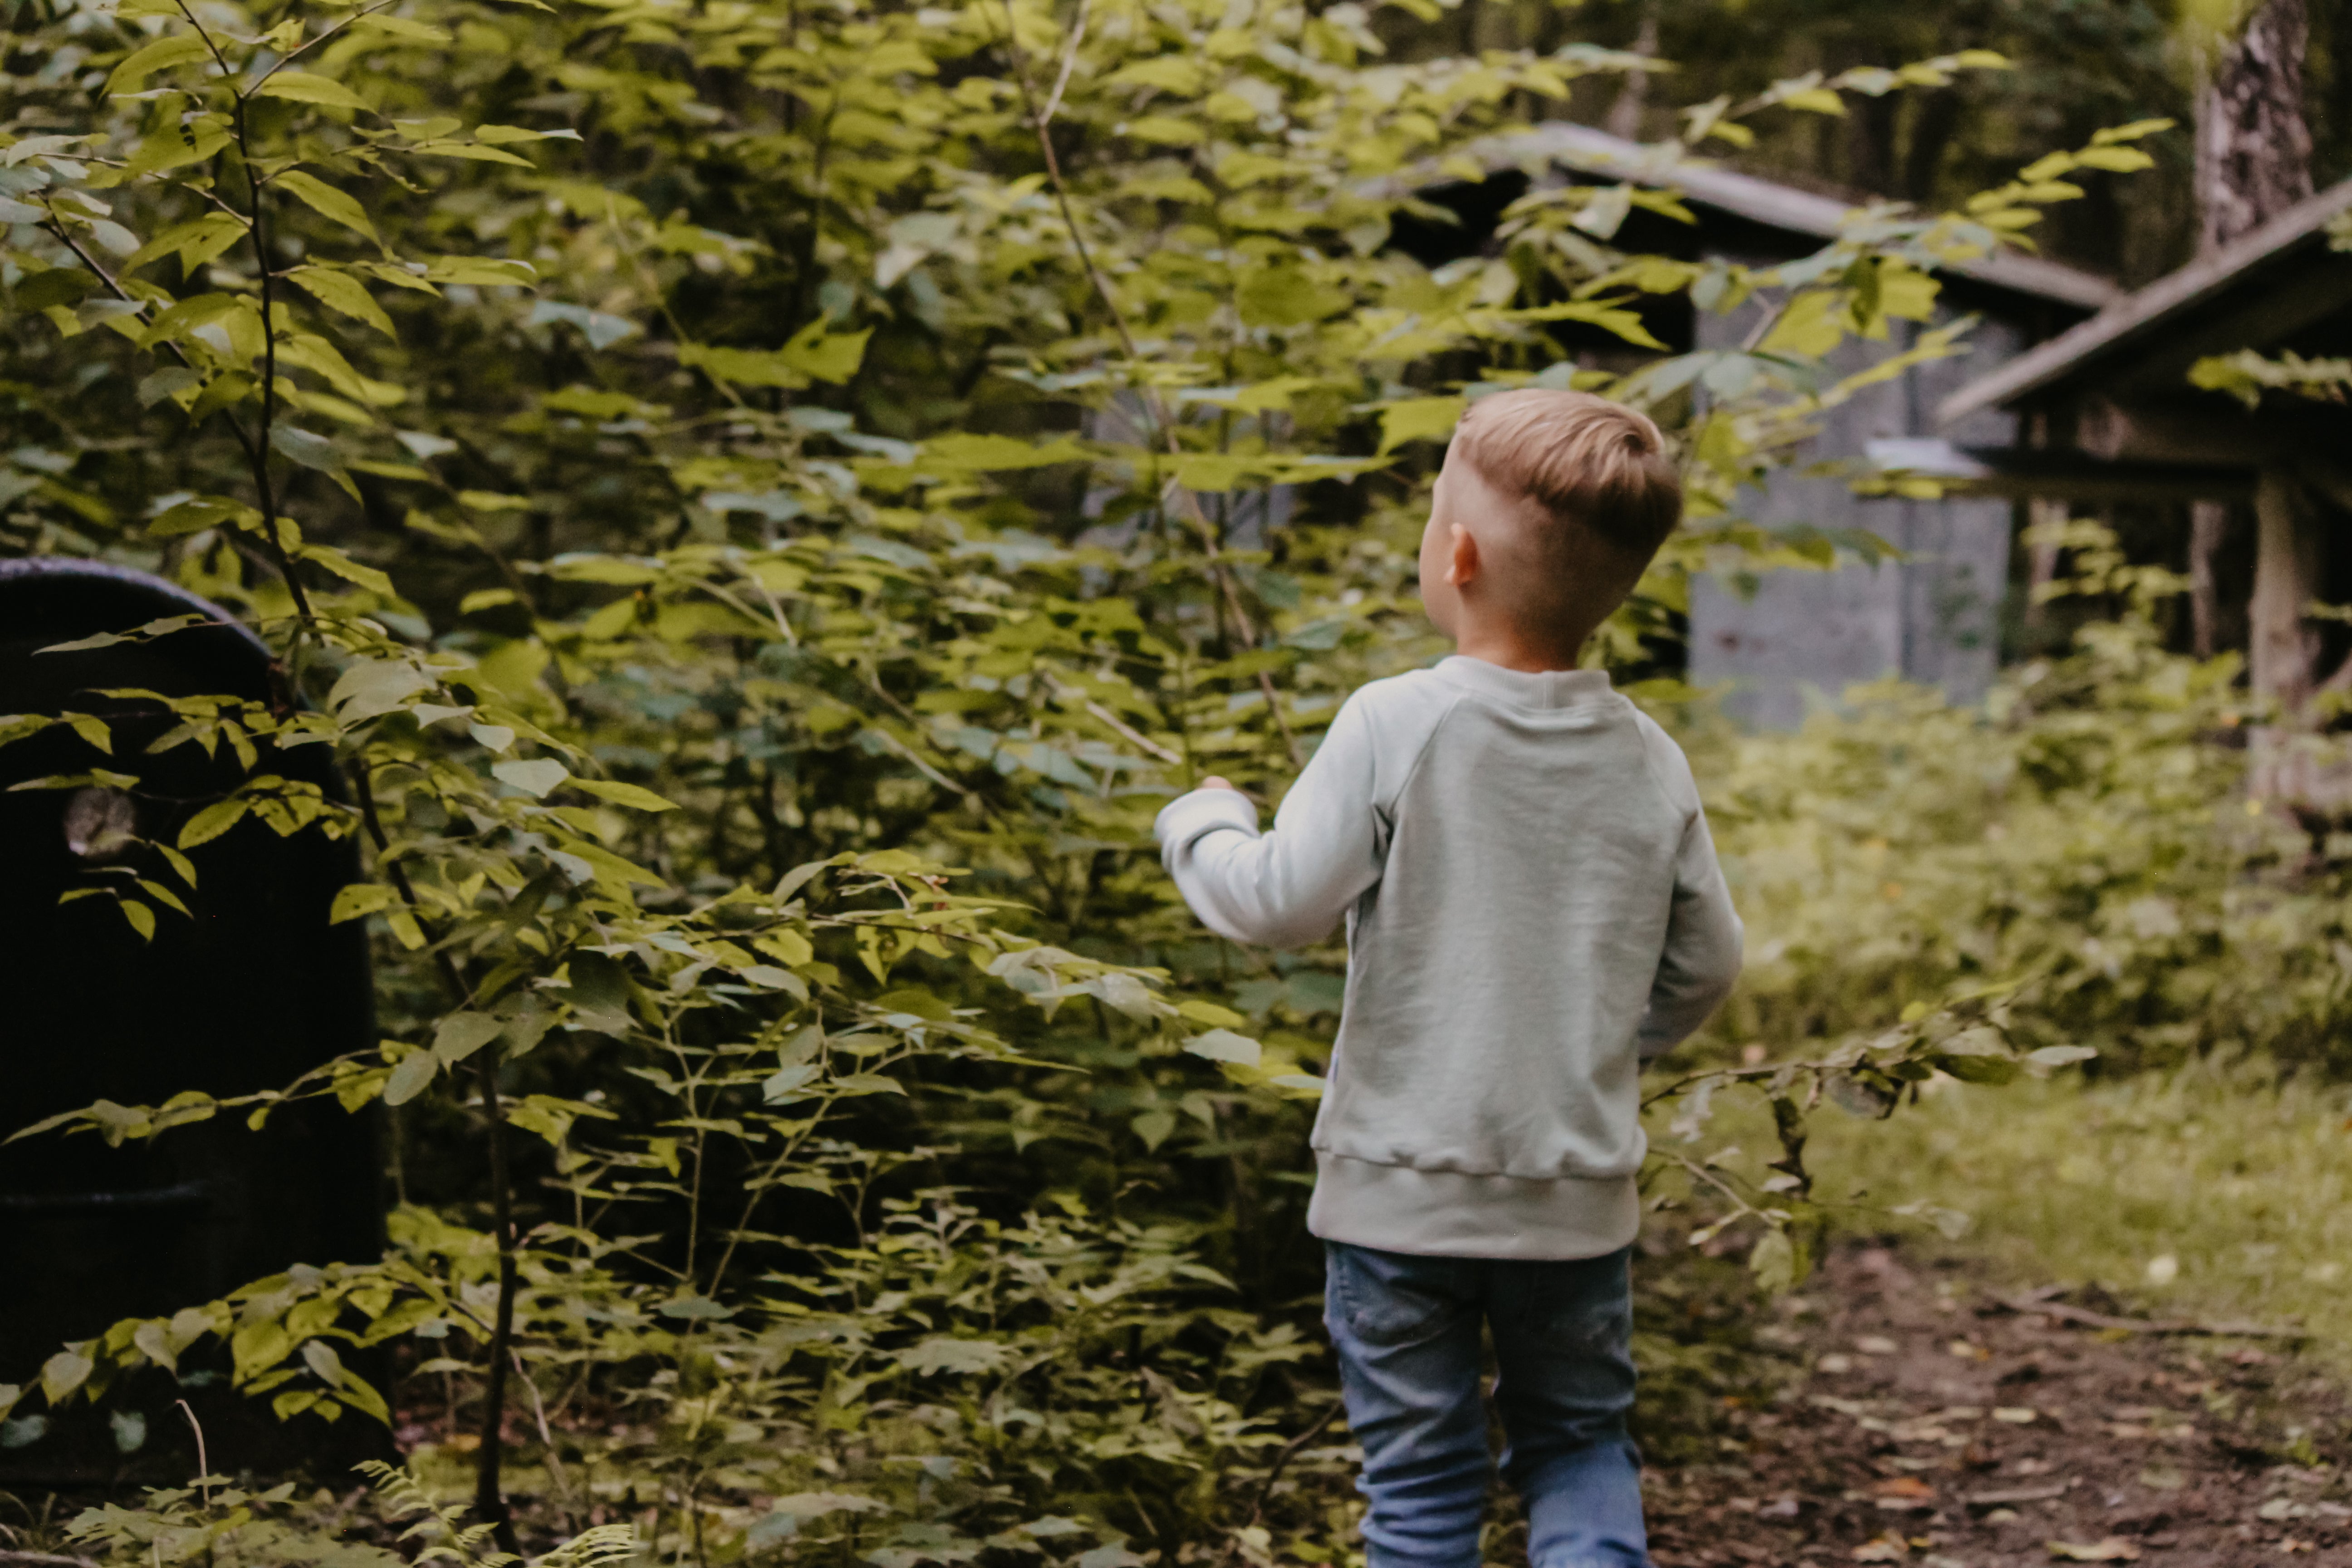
(1778, 645)
(2107, 411)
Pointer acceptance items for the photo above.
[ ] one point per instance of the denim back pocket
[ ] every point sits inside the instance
(1393, 1297)
(1584, 1307)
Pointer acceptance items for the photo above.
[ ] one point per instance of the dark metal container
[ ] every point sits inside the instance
(246, 992)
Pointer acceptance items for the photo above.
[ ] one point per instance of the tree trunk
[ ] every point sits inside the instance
(2253, 148)
(2253, 162)
(1625, 115)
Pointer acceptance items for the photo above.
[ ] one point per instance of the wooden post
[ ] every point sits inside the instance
(2042, 565)
(2208, 530)
(2253, 162)
(2283, 648)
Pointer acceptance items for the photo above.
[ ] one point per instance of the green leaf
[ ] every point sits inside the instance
(1773, 1261)
(179, 48)
(994, 453)
(743, 367)
(302, 87)
(348, 570)
(460, 1034)
(162, 627)
(535, 777)
(325, 200)
(59, 286)
(1153, 1128)
(833, 357)
(488, 272)
(475, 151)
(1419, 419)
(341, 292)
(213, 820)
(360, 1394)
(410, 1078)
(358, 899)
(197, 242)
(402, 29)
(310, 450)
(63, 1372)
(372, 687)
(621, 794)
(1224, 1046)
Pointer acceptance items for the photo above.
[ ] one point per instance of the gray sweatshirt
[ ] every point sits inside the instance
(1534, 910)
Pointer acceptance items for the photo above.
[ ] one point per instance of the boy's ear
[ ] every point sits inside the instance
(1461, 556)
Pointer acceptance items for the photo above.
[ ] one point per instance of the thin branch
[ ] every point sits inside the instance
(1070, 61)
(218, 58)
(1039, 119)
(489, 1497)
(66, 238)
(265, 491)
(301, 49)
(1134, 737)
(1289, 1452)
(2107, 1320)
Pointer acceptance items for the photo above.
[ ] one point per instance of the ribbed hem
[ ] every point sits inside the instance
(1446, 1213)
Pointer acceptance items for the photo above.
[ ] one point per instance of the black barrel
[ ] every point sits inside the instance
(246, 993)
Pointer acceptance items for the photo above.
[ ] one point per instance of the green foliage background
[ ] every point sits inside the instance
(765, 500)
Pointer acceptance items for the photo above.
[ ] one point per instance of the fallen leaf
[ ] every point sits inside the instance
(1910, 1487)
(2017, 1415)
(2114, 1549)
(1875, 1344)
(1969, 1350)
(1886, 1548)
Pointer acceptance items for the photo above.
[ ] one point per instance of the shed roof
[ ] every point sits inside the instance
(2247, 294)
(1767, 202)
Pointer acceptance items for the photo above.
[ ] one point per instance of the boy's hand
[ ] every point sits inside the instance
(1214, 782)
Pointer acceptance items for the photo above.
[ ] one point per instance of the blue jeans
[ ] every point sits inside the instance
(1406, 1329)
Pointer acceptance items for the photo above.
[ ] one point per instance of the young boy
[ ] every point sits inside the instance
(1534, 911)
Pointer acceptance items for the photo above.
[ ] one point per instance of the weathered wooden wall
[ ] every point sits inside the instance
(1803, 637)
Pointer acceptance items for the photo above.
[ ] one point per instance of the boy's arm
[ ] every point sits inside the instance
(1701, 961)
(1288, 887)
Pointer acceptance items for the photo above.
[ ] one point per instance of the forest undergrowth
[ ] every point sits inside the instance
(753, 508)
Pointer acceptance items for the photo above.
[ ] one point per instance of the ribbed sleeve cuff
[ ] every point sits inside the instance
(1185, 819)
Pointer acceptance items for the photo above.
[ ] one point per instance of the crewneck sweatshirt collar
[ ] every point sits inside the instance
(1527, 689)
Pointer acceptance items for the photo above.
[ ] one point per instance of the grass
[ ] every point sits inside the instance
(2212, 1193)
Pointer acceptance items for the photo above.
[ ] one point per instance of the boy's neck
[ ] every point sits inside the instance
(1504, 648)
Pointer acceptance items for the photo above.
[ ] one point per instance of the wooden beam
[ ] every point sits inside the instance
(2059, 474)
(2137, 318)
(1703, 183)
(2224, 435)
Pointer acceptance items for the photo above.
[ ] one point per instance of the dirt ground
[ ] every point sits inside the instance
(1935, 1426)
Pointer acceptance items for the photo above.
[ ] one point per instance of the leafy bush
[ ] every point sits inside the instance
(762, 503)
(2087, 838)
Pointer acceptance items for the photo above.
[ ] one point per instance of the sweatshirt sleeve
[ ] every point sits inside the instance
(1290, 886)
(1701, 961)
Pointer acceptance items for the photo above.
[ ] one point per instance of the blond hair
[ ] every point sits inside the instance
(1589, 464)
